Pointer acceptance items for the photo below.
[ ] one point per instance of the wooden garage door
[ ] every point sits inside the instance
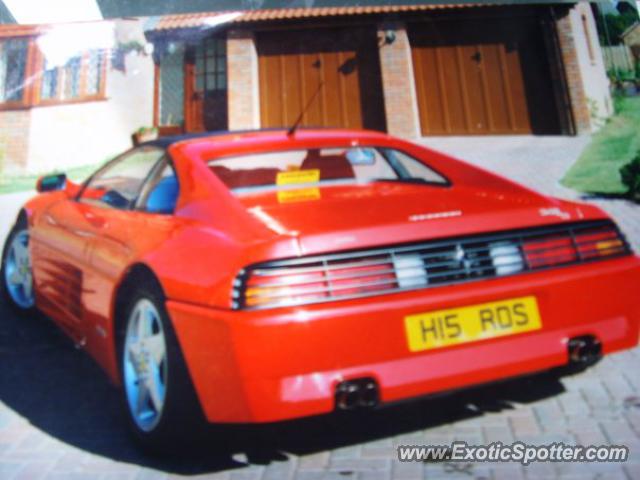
(292, 65)
(483, 76)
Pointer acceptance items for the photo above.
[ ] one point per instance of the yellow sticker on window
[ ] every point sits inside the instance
(299, 195)
(298, 176)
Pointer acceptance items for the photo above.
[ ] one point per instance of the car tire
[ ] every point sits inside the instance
(16, 270)
(179, 419)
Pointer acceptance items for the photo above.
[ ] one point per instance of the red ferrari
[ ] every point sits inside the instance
(269, 275)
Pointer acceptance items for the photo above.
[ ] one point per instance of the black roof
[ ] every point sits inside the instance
(166, 142)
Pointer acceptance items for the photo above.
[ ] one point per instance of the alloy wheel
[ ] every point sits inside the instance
(145, 365)
(18, 276)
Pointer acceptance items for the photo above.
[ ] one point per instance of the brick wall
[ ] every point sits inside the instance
(242, 71)
(398, 84)
(14, 140)
(584, 67)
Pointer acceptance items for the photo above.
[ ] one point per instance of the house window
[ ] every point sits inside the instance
(211, 65)
(80, 77)
(13, 62)
(587, 37)
(28, 79)
(171, 85)
(49, 87)
(95, 60)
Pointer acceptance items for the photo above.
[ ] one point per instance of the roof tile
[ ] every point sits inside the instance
(194, 20)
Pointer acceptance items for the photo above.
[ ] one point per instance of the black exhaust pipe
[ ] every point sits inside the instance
(347, 394)
(357, 393)
(585, 350)
(369, 394)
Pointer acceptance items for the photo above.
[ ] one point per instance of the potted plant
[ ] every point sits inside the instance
(145, 134)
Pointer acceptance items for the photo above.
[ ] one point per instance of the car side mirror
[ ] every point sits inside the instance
(49, 183)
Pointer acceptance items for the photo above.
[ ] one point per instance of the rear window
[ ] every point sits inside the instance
(291, 168)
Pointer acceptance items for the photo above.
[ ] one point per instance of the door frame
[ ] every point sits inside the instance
(188, 89)
(195, 119)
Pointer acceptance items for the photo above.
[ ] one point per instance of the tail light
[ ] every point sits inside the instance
(546, 251)
(594, 243)
(317, 282)
(574, 245)
(357, 279)
(284, 286)
(347, 275)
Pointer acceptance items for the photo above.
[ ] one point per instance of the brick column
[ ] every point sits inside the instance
(398, 84)
(14, 141)
(567, 39)
(242, 74)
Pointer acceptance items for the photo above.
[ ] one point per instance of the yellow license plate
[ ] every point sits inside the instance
(443, 328)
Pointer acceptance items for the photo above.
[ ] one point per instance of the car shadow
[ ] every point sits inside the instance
(63, 393)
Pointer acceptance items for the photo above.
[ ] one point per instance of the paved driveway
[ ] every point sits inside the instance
(60, 419)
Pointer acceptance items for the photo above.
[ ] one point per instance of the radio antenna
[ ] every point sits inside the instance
(296, 124)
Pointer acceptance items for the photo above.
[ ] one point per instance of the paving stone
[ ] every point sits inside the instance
(595, 394)
(309, 475)
(524, 426)
(378, 452)
(632, 471)
(149, 474)
(71, 476)
(498, 434)
(347, 452)
(132, 476)
(317, 461)
(325, 476)
(360, 464)
(375, 475)
(8, 469)
(510, 472)
(573, 404)
(407, 470)
(246, 475)
(278, 471)
(549, 414)
(618, 432)
(590, 435)
(618, 387)
(539, 470)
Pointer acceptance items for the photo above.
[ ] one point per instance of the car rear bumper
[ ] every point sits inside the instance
(277, 364)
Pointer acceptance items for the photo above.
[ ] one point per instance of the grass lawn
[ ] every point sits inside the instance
(21, 183)
(598, 168)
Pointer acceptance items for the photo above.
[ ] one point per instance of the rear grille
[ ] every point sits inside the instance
(393, 269)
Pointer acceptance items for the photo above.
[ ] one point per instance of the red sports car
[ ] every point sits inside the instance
(268, 275)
